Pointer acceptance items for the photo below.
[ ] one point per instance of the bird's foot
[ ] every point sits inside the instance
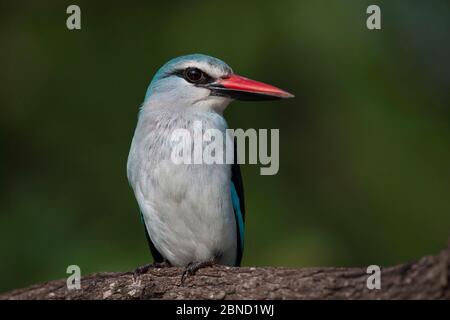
(144, 269)
(193, 267)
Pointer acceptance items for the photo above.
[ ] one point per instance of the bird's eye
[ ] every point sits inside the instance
(194, 75)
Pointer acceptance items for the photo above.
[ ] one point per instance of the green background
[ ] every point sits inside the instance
(364, 147)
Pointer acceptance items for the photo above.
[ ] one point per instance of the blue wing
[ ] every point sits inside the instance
(237, 197)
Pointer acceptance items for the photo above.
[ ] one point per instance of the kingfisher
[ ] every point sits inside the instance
(193, 214)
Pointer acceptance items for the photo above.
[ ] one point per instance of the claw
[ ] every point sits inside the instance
(193, 267)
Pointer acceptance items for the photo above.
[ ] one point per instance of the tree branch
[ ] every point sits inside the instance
(427, 278)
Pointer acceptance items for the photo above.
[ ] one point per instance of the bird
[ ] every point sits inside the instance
(193, 214)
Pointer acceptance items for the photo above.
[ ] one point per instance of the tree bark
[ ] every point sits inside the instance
(427, 278)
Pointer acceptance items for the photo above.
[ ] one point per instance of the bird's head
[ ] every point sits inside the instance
(205, 83)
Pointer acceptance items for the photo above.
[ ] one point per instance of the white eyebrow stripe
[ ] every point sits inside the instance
(212, 70)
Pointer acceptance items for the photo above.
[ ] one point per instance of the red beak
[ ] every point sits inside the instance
(241, 88)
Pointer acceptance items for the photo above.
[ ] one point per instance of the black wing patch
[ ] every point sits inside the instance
(157, 257)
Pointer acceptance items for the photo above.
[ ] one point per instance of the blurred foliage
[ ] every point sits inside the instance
(365, 146)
